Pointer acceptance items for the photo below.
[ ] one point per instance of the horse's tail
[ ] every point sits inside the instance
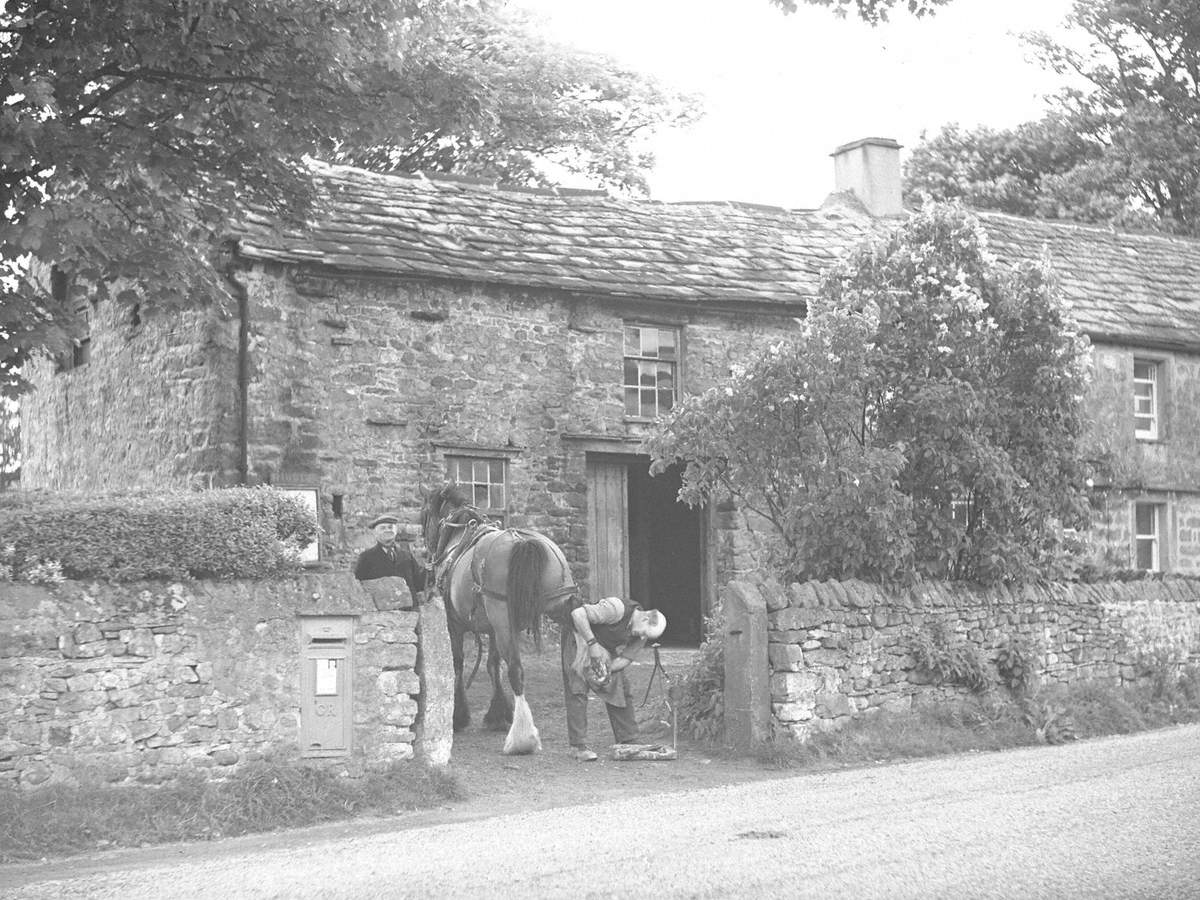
(526, 568)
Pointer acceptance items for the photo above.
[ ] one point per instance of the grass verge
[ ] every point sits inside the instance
(994, 721)
(58, 820)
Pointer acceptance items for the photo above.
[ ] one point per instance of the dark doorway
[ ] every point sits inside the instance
(666, 559)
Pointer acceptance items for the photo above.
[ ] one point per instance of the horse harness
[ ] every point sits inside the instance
(476, 528)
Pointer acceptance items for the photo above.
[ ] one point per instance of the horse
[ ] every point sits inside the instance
(498, 582)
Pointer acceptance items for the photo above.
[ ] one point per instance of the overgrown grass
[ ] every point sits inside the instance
(61, 819)
(996, 721)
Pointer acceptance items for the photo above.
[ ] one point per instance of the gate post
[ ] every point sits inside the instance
(747, 675)
(435, 720)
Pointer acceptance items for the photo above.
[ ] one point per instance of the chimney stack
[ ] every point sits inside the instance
(870, 169)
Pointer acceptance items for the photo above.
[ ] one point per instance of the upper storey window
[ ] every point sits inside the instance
(1147, 391)
(651, 370)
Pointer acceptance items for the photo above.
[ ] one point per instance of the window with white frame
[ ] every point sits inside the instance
(651, 370)
(1149, 520)
(1147, 390)
(484, 480)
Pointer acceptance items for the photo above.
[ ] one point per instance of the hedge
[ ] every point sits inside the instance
(227, 533)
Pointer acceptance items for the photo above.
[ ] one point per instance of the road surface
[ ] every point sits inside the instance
(1118, 817)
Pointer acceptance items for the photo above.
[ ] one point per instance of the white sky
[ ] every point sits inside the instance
(782, 92)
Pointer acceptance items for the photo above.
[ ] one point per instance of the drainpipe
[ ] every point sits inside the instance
(239, 292)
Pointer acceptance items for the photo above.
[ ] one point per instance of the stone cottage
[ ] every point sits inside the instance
(522, 342)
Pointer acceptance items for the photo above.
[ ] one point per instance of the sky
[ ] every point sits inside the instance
(782, 92)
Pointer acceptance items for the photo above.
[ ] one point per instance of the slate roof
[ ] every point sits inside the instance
(1139, 288)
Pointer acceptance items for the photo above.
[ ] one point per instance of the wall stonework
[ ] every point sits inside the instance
(362, 387)
(146, 681)
(1165, 471)
(842, 649)
(155, 404)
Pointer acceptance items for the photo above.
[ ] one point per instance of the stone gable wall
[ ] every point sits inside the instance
(155, 404)
(842, 649)
(146, 681)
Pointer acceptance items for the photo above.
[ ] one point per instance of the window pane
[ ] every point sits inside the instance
(1146, 554)
(665, 400)
(633, 341)
(496, 471)
(648, 375)
(496, 493)
(1144, 370)
(666, 377)
(647, 402)
(649, 342)
(1146, 520)
(666, 344)
(631, 401)
(1143, 423)
(631, 372)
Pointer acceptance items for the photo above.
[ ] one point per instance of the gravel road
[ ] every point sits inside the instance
(1118, 817)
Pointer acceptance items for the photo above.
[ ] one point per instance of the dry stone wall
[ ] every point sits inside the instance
(144, 682)
(840, 649)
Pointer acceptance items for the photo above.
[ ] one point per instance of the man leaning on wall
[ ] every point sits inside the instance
(388, 559)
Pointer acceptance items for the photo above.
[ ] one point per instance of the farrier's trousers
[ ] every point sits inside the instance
(622, 718)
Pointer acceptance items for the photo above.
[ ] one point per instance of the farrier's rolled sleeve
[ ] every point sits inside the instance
(608, 611)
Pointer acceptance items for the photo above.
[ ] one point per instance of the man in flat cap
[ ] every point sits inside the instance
(387, 559)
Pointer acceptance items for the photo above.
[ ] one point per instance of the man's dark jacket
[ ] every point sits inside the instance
(376, 563)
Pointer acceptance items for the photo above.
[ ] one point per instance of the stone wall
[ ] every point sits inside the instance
(840, 649)
(142, 682)
(362, 387)
(156, 403)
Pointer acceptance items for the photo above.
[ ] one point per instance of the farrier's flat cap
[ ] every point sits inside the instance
(383, 520)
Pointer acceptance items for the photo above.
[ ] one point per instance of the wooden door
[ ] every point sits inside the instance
(608, 527)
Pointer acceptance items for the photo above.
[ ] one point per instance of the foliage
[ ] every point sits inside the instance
(701, 706)
(1015, 660)
(1122, 147)
(924, 421)
(235, 533)
(492, 99)
(949, 659)
(872, 11)
(131, 133)
(1050, 720)
(63, 819)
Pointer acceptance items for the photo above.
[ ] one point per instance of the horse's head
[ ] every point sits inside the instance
(439, 505)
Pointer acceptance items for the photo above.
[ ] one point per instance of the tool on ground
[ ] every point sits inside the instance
(653, 751)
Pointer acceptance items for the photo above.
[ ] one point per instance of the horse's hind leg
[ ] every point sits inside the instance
(523, 735)
(462, 712)
(500, 713)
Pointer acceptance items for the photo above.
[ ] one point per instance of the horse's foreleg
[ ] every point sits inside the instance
(523, 735)
(500, 713)
(462, 712)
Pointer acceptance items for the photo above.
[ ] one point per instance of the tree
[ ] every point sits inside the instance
(1124, 148)
(872, 11)
(131, 132)
(925, 420)
(492, 99)
(10, 443)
